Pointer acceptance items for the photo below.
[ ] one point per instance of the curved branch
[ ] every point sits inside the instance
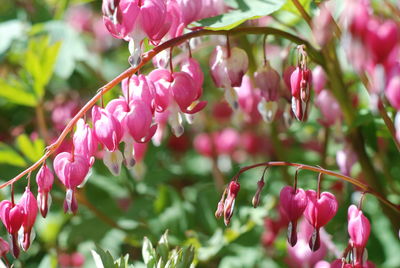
(146, 57)
(364, 187)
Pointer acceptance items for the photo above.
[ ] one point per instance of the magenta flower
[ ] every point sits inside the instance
(178, 93)
(228, 68)
(229, 204)
(107, 128)
(293, 203)
(139, 88)
(393, 92)
(381, 38)
(12, 217)
(30, 210)
(44, 180)
(301, 256)
(192, 67)
(204, 145)
(226, 141)
(248, 98)
(85, 142)
(71, 170)
(345, 160)
(300, 83)
(318, 79)
(139, 121)
(267, 80)
(359, 230)
(329, 108)
(319, 211)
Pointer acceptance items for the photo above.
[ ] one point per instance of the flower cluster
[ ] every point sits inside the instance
(157, 20)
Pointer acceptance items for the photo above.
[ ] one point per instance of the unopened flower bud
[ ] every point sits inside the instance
(229, 203)
(256, 198)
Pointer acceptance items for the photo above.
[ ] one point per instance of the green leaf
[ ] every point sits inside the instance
(241, 11)
(163, 247)
(14, 91)
(289, 6)
(103, 259)
(40, 59)
(32, 150)
(9, 156)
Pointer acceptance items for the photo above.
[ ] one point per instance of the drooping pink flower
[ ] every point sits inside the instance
(393, 91)
(359, 230)
(329, 108)
(301, 256)
(293, 203)
(248, 98)
(322, 25)
(107, 128)
(178, 86)
(226, 141)
(44, 180)
(84, 140)
(139, 121)
(228, 67)
(318, 79)
(345, 160)
(12, 217)
(319, 211)
(300, 84)
(267, 80)
(221, 111)
(212, 8)
(30, 210)
(357, 16)
(190, 10)
(139, 88)
(229, 204)
(71, 170)
(192, 67)
(126, 19)
(381, 38)
(204, 145)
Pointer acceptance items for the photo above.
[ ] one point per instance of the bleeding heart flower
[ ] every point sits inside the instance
(44, 180)
(107, 128)
(204, 145)
(359, 230)
(319, 211)
(139, 121)
(71, 170)
(393, 91)
(319, 79)
(30, 209)
(192, 67)
(293, 203)
(381, 39)
(329, 108)
(85, 142)
(228, 67)
(12, 217)
(139, 88)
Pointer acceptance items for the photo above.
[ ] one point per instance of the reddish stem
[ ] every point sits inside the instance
(366, 188)
(146, 57)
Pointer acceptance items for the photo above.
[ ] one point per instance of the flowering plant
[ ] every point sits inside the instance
(300, 85)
